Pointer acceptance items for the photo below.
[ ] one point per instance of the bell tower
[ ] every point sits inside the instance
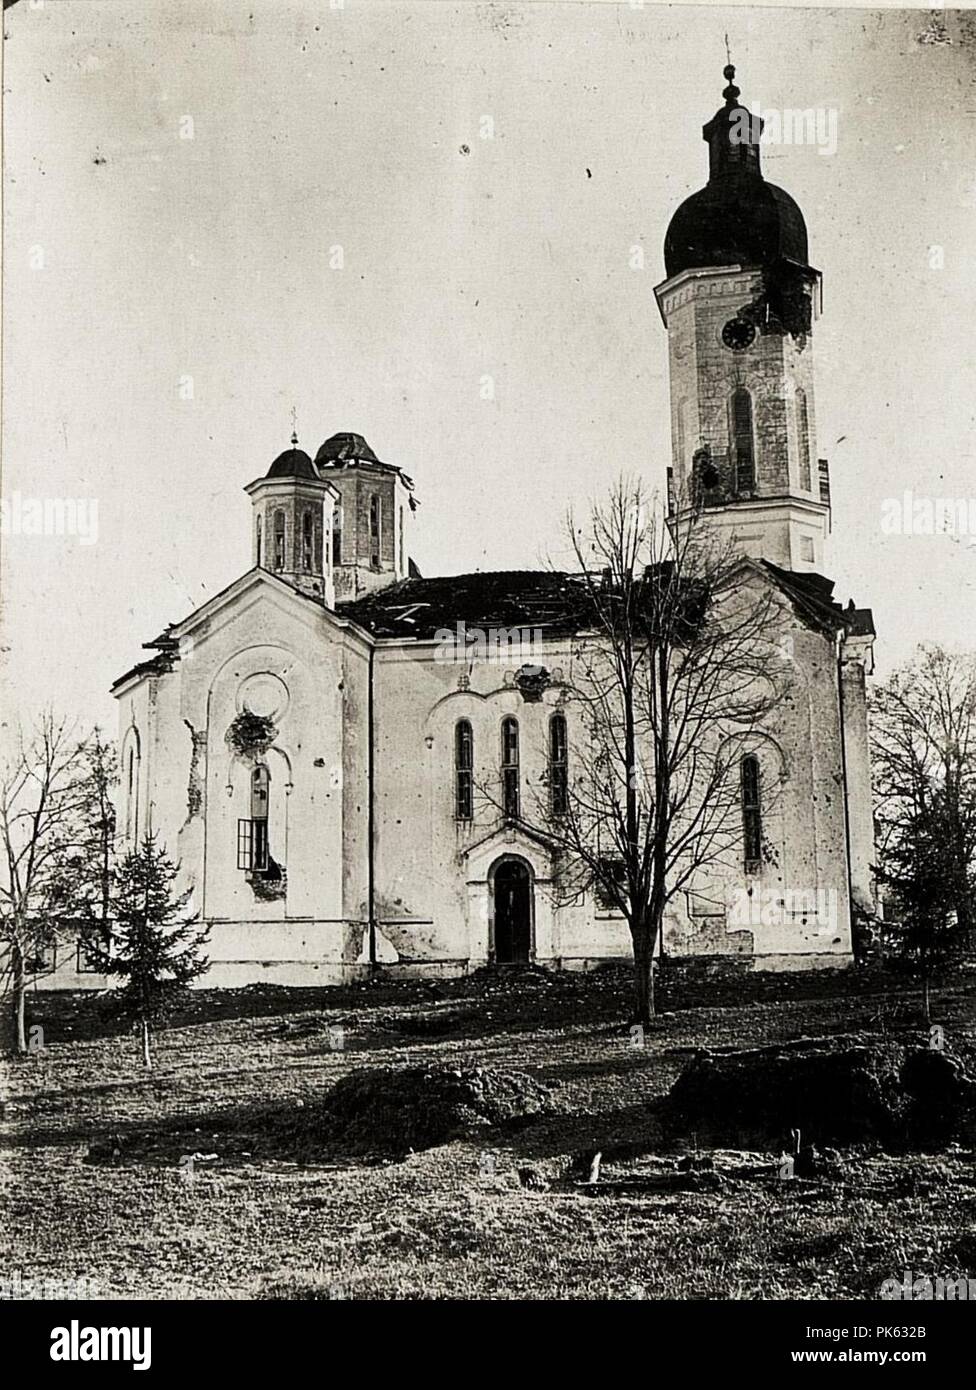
(372, 520)
(739, 304)
(292, 523)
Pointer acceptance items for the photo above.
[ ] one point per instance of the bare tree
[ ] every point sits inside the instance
(678, 668)
(41, 793)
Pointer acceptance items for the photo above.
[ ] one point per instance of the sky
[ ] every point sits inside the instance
(179, 176)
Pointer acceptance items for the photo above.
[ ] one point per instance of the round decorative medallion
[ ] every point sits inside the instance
(263, 694)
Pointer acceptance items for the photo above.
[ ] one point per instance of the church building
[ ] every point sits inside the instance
(308, 751)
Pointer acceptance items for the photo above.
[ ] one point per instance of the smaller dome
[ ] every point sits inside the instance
(341, 448)
(293, 463)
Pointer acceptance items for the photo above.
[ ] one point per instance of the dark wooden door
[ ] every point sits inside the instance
(513, 912)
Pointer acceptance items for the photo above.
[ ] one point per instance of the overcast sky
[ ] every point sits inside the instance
(137, 258)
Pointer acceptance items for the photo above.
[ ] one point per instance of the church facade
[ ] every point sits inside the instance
(308, 743)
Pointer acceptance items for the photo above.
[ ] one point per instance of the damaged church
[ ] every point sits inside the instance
(303, 748)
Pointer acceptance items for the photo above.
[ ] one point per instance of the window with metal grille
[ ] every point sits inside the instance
(252, 845)
(279, 540)
(510, 768)
(751, 812)
(742, 441)
(463, 771)
(245, 844)
(803, 438)
(558, 766)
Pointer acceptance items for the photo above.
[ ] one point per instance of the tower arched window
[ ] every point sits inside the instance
(558, 766)
(307, 529)
(279, 540)
(374, 530)
(510, 768)
(463, 770)
(258, 538)
(751, 790)
(743, 446)
(337, 534)
(803, 438)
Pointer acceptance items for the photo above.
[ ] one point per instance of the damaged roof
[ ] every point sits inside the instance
(556, 603)
(812, 597)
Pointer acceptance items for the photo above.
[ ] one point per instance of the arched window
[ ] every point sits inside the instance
(558, 766)
(751, 812)
(803, 438)
(743, 451)
(130, 759)
(510, 768)
(131, 810)
(337, 534)
(257, 542)
(279, 540)
(374, 530)
(463, 771)
(307, 541)
(252, 833)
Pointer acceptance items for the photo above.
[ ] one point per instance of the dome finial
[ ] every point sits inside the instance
(294, 427)
(731, 93)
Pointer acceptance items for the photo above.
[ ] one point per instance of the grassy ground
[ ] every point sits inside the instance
(247, 1219)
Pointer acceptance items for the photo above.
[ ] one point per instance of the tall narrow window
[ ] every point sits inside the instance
(403, 568)
(252, 834)
(257, 542)
(307, 541)
(374, 530)
(337, 534)
(751, 813)
(130, 797)
(510, 768)
(463, 771)
(558, 766)
(742, 441)
(803, 438)
(279, 540)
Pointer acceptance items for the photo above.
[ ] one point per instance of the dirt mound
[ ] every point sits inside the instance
(395, 1110)
(438, 1021)
(839, 1090)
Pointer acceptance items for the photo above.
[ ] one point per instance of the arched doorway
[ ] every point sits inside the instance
(512, 900)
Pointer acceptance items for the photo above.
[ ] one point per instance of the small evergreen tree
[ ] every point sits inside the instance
(156, 950)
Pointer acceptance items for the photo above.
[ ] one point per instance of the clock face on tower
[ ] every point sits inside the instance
(738, 334)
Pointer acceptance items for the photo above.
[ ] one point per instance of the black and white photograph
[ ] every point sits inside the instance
(488, 666)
